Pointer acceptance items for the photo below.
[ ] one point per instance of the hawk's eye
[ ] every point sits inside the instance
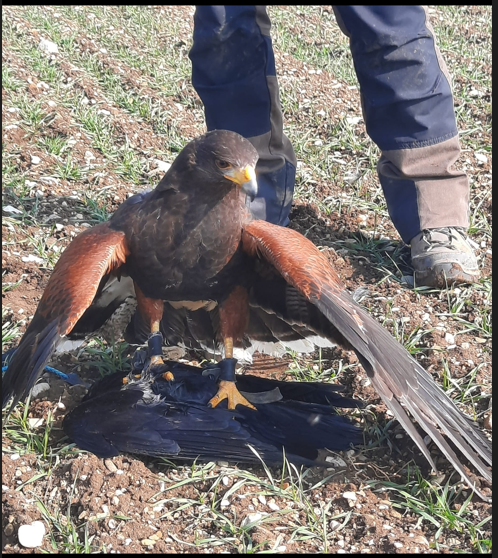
(223, 164)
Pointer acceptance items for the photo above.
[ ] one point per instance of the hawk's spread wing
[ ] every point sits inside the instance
(69, 292)
(396, 375)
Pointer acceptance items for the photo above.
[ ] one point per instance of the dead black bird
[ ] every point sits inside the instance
(149, 415)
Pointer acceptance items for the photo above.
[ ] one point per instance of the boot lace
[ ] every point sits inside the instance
(440, 243)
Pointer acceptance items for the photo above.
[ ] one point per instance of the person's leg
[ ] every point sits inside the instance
(233, 72)
(408, 110)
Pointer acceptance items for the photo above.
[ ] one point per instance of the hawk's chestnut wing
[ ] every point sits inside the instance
(396, 375)
(69, 292)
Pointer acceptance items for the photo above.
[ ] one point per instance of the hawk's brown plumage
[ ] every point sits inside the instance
(192, 243)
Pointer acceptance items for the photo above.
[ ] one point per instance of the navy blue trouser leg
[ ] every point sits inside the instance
(233, 72)
(408, 110)
(406, 98)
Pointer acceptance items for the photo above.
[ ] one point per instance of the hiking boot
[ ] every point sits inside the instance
(442, 257)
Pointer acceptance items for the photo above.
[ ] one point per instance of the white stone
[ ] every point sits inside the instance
(351, 176)
(110, 465)
(31, 536)
(449, 338)
(48, 46)
(481, 158)
(11, 209)
(32, 258)
(49, 179)
(35, 422)
(35, 160)
(349, 495)
(162, 165)
(335, 461)
(334, 525)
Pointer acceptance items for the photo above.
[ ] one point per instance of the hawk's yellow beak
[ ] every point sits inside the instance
(245, 178)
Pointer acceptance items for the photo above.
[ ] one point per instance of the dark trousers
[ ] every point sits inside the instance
(406, 99)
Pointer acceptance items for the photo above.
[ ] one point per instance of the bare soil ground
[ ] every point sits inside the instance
(90, 124)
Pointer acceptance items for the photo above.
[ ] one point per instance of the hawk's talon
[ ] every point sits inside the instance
(228, 390)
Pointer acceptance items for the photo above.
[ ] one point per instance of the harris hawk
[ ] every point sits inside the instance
(191, 245)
